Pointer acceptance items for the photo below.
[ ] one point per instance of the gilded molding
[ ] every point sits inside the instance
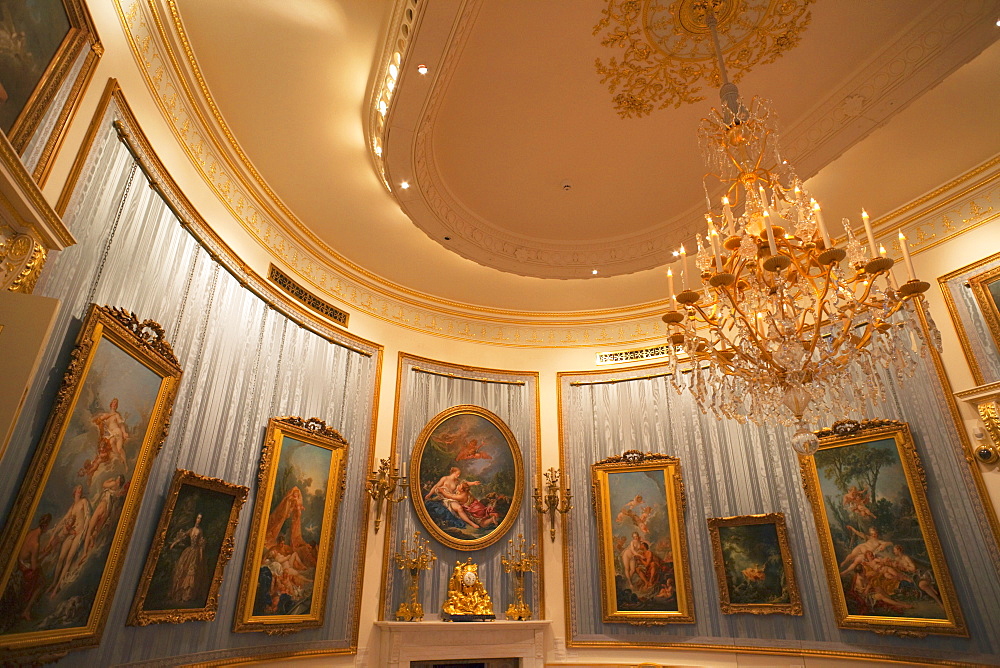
(214, 152)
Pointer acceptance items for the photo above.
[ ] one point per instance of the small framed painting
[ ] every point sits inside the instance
(754, 565)
(467, 477)
(645, 576)
(191, 547)
(287, 565)
(883, 560)
(68, 533)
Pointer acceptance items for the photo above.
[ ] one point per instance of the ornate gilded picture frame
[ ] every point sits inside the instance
(49, 59)
(753, 565)
(972, 294)
(190, 550)
(645, 572)
(986, 288)
(884, 564)
(286, 569)
(68, 533)
(466, 477)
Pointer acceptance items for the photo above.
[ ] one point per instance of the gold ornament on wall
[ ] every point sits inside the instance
(555, 500)
(667, 47)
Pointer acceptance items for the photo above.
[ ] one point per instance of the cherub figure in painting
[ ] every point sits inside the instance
(856, 501)
(472, 450)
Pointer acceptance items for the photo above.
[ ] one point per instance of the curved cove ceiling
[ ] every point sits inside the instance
(512, 112)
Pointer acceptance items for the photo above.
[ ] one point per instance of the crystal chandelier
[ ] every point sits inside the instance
(772, 322)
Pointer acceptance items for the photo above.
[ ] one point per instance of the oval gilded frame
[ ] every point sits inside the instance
(468, 421)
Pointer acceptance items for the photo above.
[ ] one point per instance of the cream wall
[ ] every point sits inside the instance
(117, 62)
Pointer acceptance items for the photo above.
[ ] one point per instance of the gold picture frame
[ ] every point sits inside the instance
(299, 488)
(975, 277)
(645, 573)
(68, 532)
(753, 565)
(986, 288)
(181, 579)
(466, 477)
(884, 564)
(53, 38)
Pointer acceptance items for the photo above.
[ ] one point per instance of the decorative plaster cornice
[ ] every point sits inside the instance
(898, 74)
(214, 153)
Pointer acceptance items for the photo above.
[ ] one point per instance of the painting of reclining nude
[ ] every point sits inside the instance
(467, 477)
(68, 533)
(287, 563)
(643, 551)
(883, 559)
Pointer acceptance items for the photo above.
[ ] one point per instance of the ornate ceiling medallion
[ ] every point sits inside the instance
(668, 52)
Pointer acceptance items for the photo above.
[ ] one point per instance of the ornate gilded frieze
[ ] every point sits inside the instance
(153, 26)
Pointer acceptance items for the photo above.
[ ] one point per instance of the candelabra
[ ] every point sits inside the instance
(519, 562)
(385, 485)
(769, 324)
(413, 560)
(555, 500)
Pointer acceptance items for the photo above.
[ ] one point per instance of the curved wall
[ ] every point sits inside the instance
(492, 349)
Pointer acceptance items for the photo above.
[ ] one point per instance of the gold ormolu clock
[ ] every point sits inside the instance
(467, 598)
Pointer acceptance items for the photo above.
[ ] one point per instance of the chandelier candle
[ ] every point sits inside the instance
(779, 326)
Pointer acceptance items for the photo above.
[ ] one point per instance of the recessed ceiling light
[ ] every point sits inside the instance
(404, 185)
(594, 272)
(421, 69)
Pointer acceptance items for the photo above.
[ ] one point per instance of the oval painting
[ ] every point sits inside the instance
(466, 477)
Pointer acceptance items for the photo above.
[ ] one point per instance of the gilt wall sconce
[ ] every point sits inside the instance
(386, 485)
(555, 499)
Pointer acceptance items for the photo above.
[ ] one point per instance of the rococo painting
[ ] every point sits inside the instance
(466, 478)
(69, 530)
(639, 502)
(883, 560)
(753, 564)
(986, 288)
(48, 52)
(287, 565)
(191, 547)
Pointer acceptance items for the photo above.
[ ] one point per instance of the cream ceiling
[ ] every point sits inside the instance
(512, 109)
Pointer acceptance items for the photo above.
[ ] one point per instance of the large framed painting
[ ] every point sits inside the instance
(48, 55)
(753, 565)
(69, 529)
(466, 477)
(645, 573)
(881, 552)
(191, 547)
(287, 565)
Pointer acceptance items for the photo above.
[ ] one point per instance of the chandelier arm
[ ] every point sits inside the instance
(754, 335)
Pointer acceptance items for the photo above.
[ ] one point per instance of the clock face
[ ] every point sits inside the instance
(469, 578)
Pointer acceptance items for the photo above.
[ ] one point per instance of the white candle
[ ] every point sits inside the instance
(713, 236)
(727, 211)
(873, 249)
(822, 225)
(881, 250)
(770, 234)
(670, 289)
(685, 277)
(402, 469)
(906, 257)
